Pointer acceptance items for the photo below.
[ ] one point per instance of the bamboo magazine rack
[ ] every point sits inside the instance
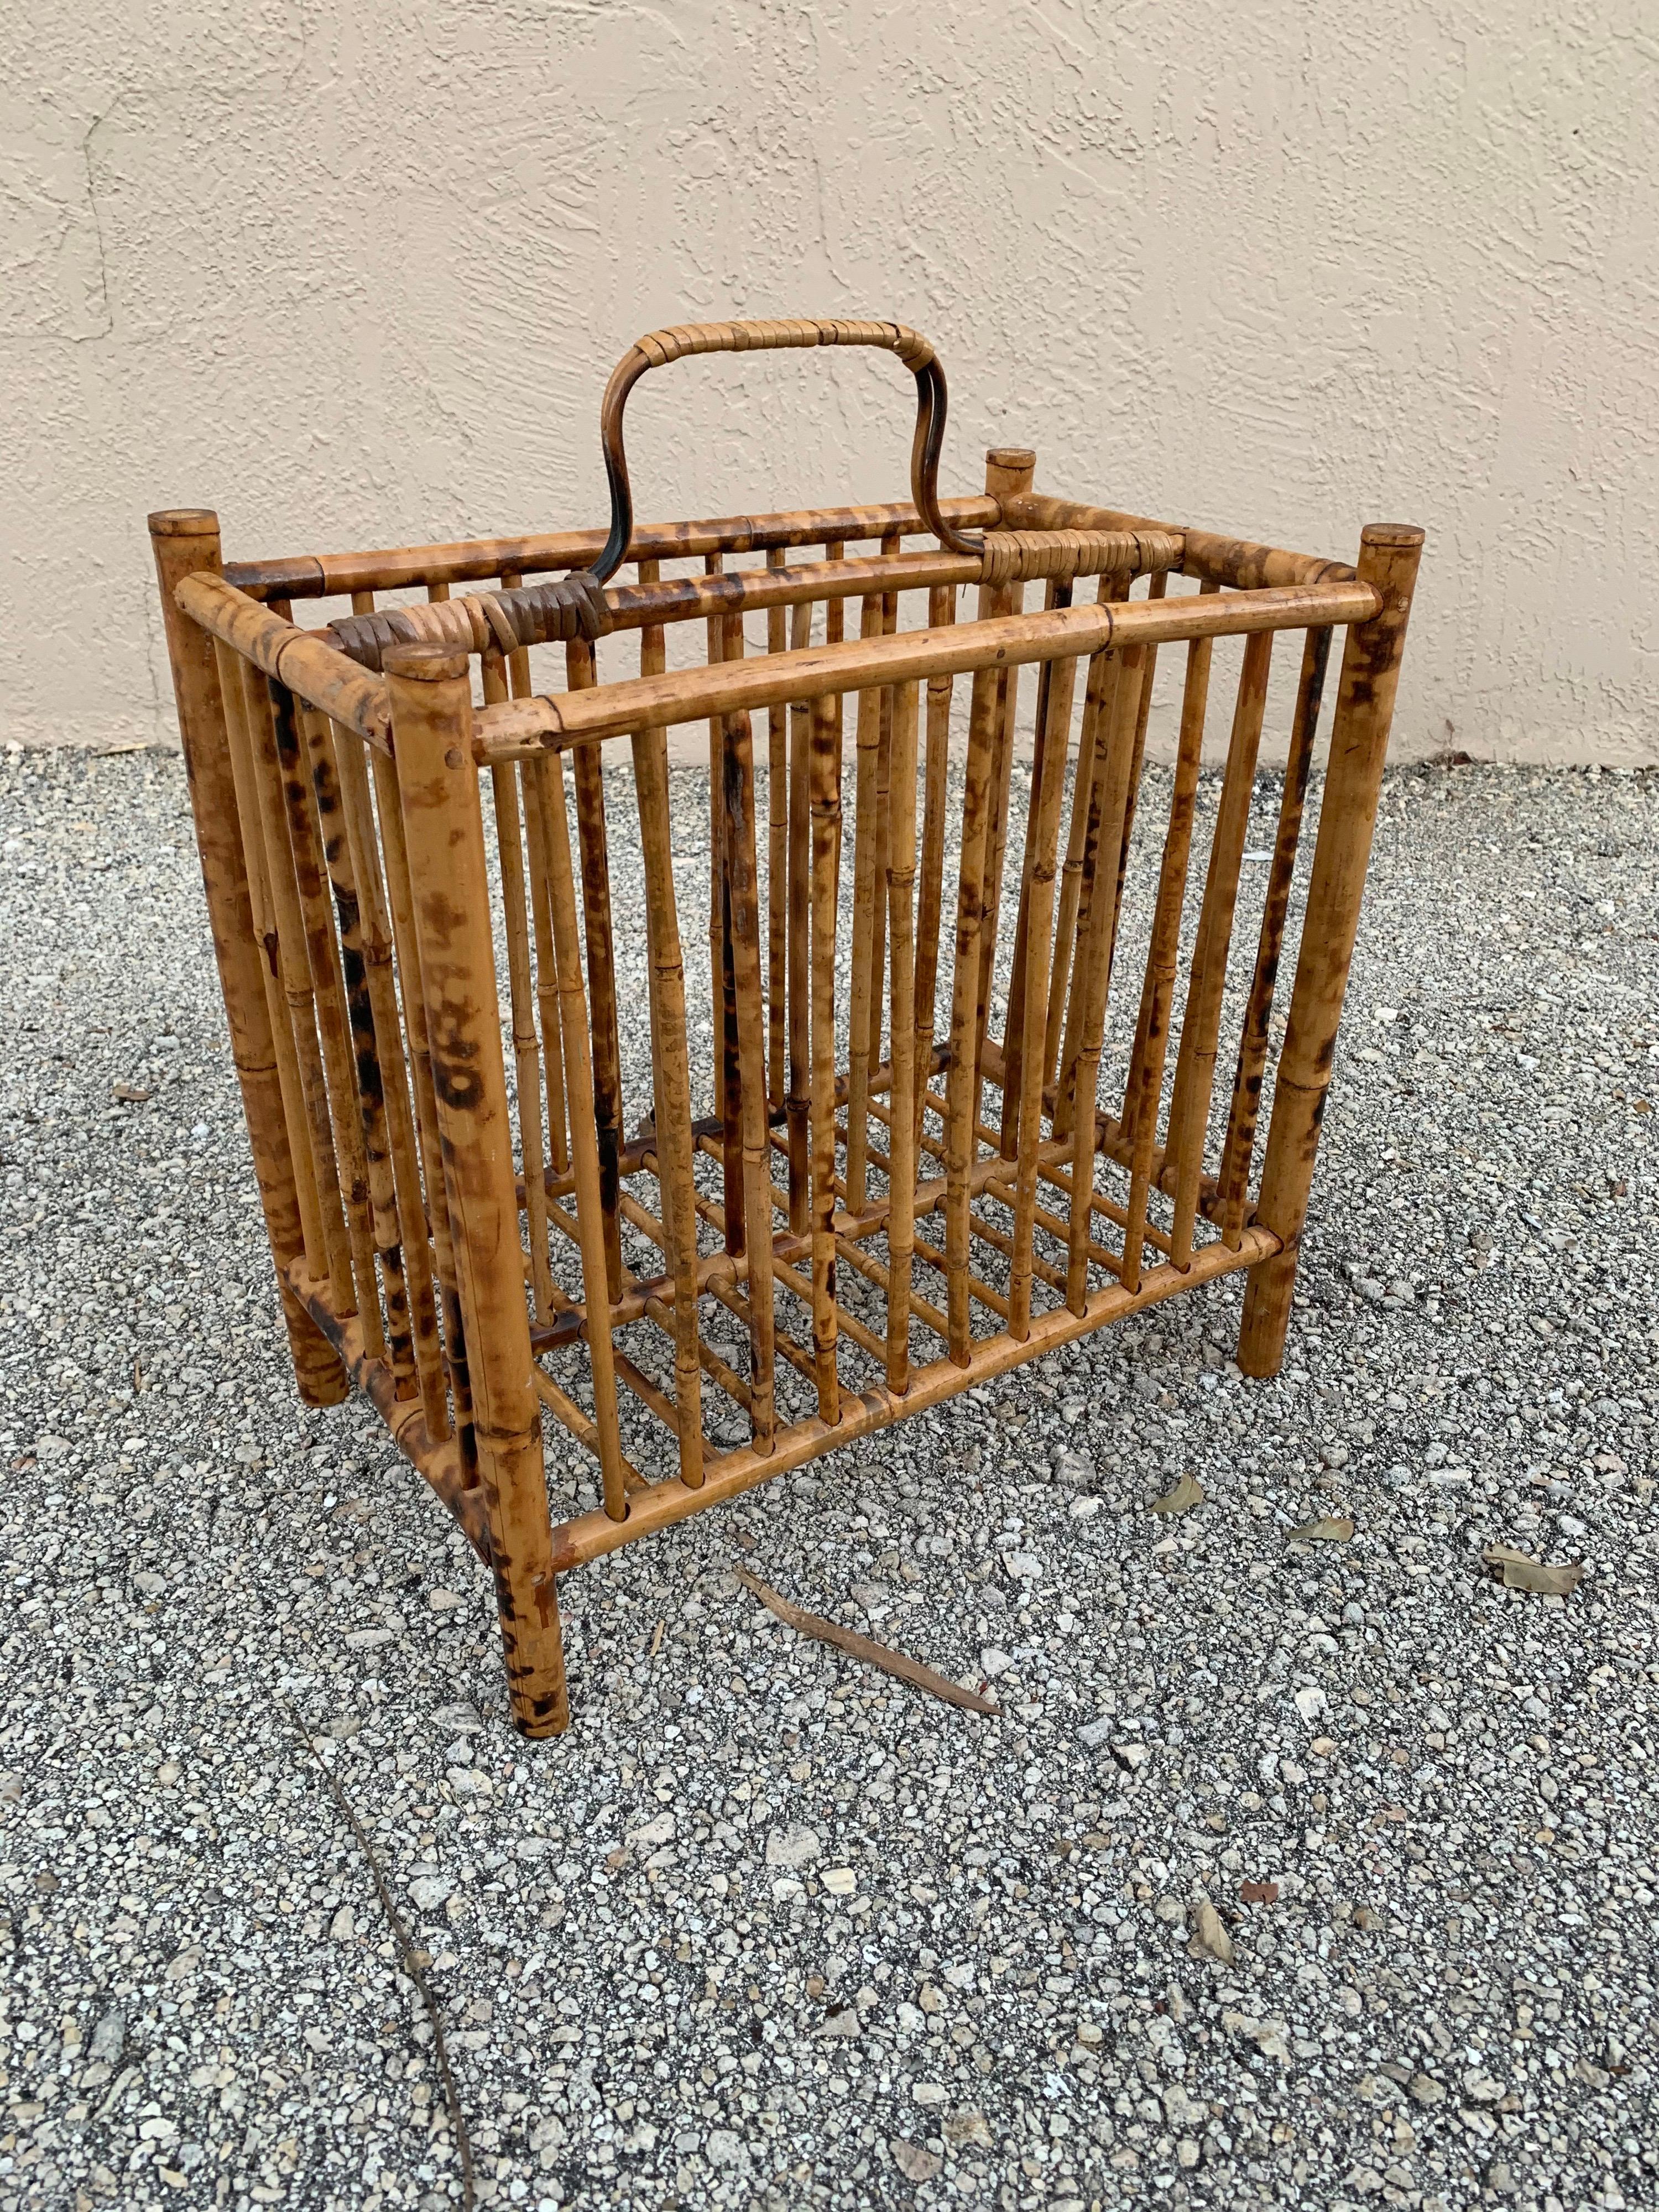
(742, 1165)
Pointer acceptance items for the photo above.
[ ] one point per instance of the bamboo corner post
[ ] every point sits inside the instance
(548, 1195)
(431, 703)
(1389, 557)
(186, 542)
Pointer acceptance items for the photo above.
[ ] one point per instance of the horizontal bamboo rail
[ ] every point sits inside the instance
(526, 726)
(318, 672)
(338, 575)
(1235, 561)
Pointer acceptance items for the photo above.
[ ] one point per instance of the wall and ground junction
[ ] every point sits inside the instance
(356, 276)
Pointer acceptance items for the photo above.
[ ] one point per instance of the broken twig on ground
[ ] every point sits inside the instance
(864, 1647)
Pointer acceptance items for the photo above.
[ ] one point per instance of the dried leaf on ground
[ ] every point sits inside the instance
(1517, 1572)
(1259, 1892)
(866, 1648)
(1328, 1528)
(1187, 1493)
(1209, 1934)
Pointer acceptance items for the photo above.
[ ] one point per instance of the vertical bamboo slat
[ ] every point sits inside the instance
(826, 862)
(673, 1079)
(1093, 975)
(1047, 787)
(1084, 829)
(1233, 1180)
(527, 1048)
(591, 1219)
(365, 1045)
(797, 1102)
(777, 861)
(743, 937)
(406, 944)
(298, 990)
(357, 809)
(1013, 1046)
(1194, 1076)
(591, 836)
(866, 843)
(962, 1077)
(344, 1114)
(941, 610)
(261, 911)
(1144, 1088)
(1008, 473)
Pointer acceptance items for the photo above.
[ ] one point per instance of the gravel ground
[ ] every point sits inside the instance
(765, 1929)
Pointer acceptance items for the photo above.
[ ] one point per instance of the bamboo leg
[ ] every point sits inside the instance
(589, 770)
(1194, 1076)
(185, 541)
(357, 808)
(406, 943)
(584, 1133)
(1389, 555)
(941, 610)
(673, 1090)
(365, 1046)
(743, 935)
(1233, 1180)
(1145, 1085)
(1047, 790)
(826, 861)
(901, 1169)
(443, 827)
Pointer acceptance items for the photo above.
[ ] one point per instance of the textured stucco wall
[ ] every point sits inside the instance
(356, 277)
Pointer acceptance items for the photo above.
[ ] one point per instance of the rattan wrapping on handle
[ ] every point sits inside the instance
(1024, 556)
(549, 613)
(660, 347)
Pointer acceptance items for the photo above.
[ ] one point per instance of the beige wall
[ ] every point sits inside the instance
(356, 277)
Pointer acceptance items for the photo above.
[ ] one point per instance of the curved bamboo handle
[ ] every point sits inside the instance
(657, 348)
